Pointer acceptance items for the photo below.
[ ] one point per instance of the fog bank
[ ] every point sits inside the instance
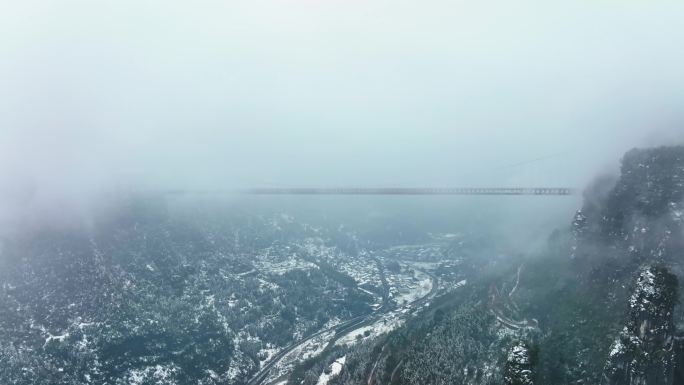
(109, 96)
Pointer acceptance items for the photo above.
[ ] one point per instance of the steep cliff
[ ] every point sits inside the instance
(628, 226)
(596, 306)
(641, 217)
(644, 351)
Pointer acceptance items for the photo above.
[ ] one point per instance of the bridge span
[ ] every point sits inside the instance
(415, 191)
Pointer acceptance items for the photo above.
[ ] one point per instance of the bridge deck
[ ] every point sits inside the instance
(415, 191)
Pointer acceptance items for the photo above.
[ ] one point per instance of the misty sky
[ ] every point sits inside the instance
(155, 94)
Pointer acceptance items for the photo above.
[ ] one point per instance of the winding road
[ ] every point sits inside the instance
(343, 328)
(415, 304)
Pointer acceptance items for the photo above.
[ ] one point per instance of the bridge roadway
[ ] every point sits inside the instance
(382, 191)
(415, 191)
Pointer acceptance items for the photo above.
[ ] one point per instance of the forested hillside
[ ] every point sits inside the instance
(568, 314)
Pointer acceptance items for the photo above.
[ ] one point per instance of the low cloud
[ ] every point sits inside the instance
(127, 96)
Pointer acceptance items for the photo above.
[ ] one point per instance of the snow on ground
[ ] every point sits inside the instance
(58, 338)
(364, 270)
(152, 374)
(430, 252)
(234, 370)
(677, 212)
(281, 267)
(384, 325)
(331, 323)
(246, 273)
(335, 369)
(266, 354)
(309, 349)
(426, 265)
(367, 292)
(413, 288)
(316, 247)
(266, 284)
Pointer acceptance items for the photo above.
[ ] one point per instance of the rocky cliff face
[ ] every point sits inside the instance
(644, 352)
(642, 216)
(619, 281)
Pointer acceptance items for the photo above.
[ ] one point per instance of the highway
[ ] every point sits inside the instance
(262, 374)
(415, 304)
(341, 329)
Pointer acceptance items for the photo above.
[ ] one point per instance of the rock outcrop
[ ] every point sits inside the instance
(644, 353)
(642, 215)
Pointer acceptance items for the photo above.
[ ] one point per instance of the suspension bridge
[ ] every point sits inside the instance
(415, 191)
(562, 191)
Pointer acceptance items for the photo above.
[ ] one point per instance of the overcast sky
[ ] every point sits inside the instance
(151, 94)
